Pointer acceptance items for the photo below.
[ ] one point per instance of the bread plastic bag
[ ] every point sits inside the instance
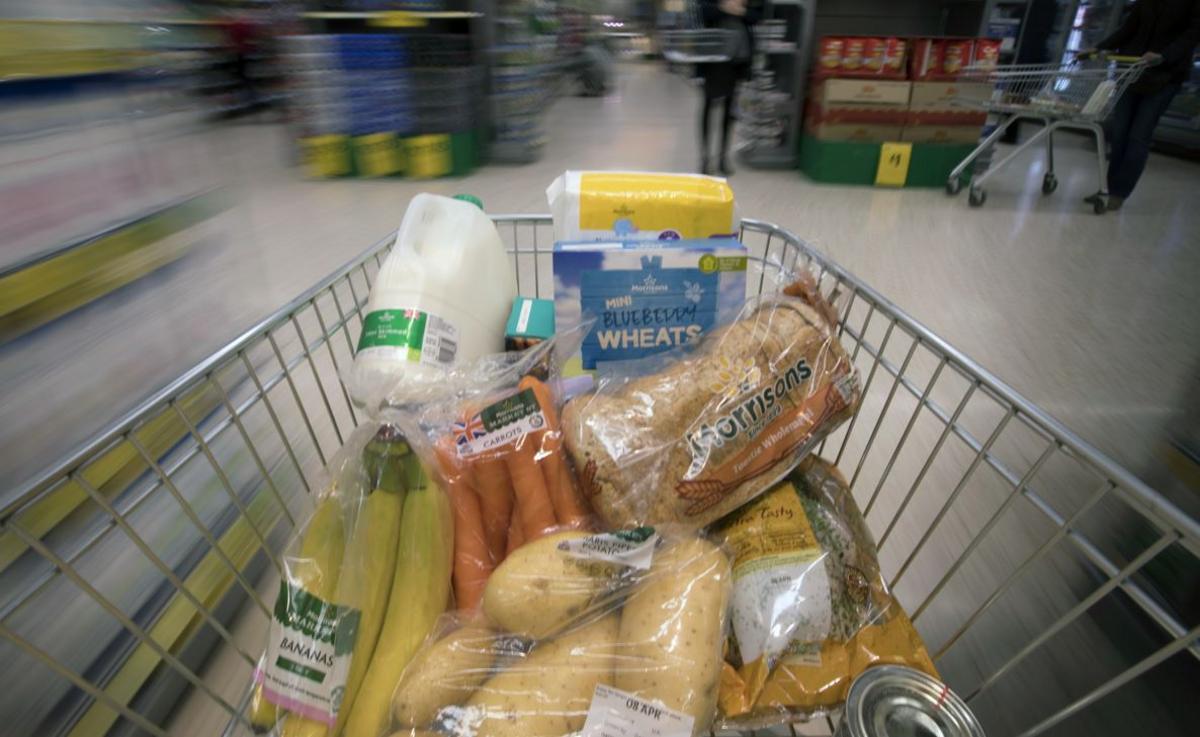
(315, 625)
(689, 435)
(810, 607)
(598, 641)
(601, 205)
(497, 446)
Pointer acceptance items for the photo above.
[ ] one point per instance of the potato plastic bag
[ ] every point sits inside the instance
(688, 436)
(644, 628)
(810, 607)
(325, 612)
(498, 448)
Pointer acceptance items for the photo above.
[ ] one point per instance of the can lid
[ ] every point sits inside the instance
(894, 701)
(470, 198)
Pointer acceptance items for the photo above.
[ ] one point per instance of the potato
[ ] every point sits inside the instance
(539, 589)
(547, 693)
(416, 733)
(673, 627)
(444, 673)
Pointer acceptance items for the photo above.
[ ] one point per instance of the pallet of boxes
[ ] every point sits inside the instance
(898, 101)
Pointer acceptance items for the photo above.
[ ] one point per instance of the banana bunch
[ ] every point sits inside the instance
(397, 573)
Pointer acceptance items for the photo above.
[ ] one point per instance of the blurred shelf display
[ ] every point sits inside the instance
(772, 101)
(524, 75)
(388, 89)
(102, 157)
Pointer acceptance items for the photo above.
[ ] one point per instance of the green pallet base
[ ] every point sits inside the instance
(854, 162)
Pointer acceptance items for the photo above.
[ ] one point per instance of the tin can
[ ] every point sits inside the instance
(956, 56)
(894, 61)
(831, 53)
(852, 57)
(987, 53)
(874, 51)
(894, 701)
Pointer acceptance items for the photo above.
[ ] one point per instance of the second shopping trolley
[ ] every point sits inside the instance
(1078, 95)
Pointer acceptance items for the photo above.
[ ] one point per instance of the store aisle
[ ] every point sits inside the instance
(1080, 313)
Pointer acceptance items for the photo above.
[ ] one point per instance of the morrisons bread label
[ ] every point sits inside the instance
(772, 430)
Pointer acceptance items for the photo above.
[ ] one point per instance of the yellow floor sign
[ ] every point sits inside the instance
(893, 164)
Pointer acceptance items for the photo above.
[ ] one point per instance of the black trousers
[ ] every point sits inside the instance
(1130, 129)
(720, 85)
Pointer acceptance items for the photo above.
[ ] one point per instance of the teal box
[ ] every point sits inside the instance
(530, 318)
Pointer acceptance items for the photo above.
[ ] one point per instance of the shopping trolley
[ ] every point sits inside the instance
(1018, 549)
(696, 45)
(1078, 95)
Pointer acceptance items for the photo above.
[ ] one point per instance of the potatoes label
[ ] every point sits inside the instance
(633, 548)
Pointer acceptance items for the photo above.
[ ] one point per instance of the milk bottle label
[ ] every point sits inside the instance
(421, 337)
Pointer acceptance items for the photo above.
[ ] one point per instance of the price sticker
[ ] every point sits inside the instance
(893, 164)
(429, 156)
(614, 713)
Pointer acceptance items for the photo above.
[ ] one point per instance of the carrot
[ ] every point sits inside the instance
(516, 536)
(472, 560)
(533, 501)
(568, 507)
(495, 500)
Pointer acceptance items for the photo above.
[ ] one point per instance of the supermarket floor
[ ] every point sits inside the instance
(1092, 318)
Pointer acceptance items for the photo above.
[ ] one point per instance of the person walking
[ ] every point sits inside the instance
(721, 78)
(1164, 33)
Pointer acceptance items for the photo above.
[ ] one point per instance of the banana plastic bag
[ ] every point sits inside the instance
(810, 608)
(594, 642)
(364, 580)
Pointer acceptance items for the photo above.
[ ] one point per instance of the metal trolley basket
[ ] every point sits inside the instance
(1044, 577)
(1077, 95)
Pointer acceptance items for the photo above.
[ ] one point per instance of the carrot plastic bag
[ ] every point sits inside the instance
(498, 448)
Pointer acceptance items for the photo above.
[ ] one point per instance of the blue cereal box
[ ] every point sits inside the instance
(646, 296)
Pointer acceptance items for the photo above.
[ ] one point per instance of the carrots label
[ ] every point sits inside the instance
(499, 424)
(633, 548)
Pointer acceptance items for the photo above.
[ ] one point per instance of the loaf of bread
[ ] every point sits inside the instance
(715, 428)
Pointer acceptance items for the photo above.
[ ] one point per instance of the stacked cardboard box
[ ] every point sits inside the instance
(857, 109)
(937, 113)
(860, 94)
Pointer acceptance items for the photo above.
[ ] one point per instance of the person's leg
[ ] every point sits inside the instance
(1117, 130)
(705, 108)
(1129, 168)
(727, 130)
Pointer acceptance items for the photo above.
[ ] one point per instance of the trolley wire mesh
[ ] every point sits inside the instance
(1018, 549)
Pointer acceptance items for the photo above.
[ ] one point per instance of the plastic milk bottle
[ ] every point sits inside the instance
(441, 298)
